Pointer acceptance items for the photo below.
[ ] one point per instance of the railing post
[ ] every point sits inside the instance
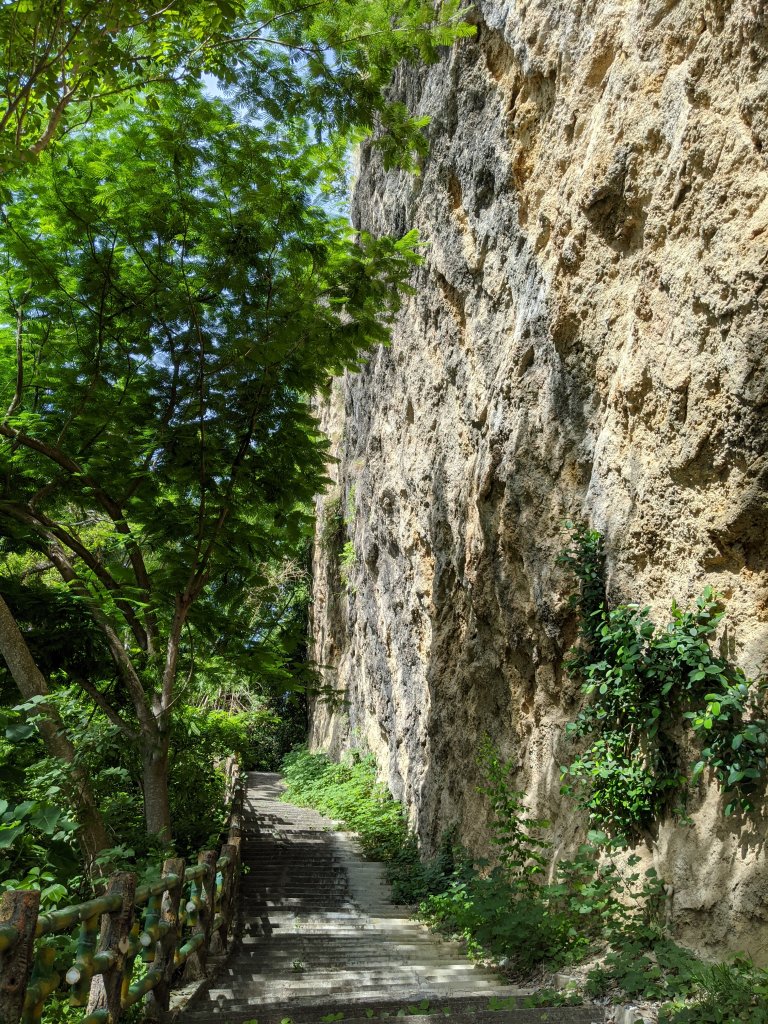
(195, 969)
(236, 815)
(225, 901)
(18, 913)
(114, 941)
(158, 999)
(83, 970)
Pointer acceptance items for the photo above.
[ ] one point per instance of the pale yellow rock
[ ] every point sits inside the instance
(587, 339)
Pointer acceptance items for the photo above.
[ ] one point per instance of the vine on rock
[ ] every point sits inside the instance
(650, 687)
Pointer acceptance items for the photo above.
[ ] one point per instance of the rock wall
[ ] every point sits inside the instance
(587, 339)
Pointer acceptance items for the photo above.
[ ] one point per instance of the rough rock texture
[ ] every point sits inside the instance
(587, 339)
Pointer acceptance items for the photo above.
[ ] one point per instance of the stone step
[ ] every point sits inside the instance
(359, 1006)
(521, 1015)
(319, 980)
(539, 1015)
(268, 950)
(357, 1010)
(248, 985)
(525, 1015)
(369, 943)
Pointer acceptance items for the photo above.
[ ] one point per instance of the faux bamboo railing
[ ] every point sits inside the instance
(172, 923)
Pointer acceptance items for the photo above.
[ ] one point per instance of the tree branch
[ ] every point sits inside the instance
(110, 506)
(19, 364)
(106, 708)
(172, 652)
(50, 530)
(120, 656)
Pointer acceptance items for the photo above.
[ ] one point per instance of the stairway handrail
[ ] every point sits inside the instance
(153, 920)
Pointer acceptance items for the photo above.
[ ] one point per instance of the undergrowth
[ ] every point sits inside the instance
(511, 912)
(349, 793)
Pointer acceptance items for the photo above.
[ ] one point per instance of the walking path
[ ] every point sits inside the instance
(321, 937)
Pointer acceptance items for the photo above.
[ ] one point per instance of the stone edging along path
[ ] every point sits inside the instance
(320, 936)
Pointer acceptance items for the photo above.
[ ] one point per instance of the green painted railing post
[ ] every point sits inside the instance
(18, 917)
(170, 937)
(226, 897)
(82, 971)
(114, 946)
(195, 969)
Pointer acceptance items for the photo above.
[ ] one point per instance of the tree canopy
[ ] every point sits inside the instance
(63, 60)
(177, 287)
(174, 295)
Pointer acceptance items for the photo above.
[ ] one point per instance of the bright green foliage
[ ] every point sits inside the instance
(698, 993)
(413, 879)
(592, 906)
(174, 295)
(350, 793)
(60, 56)
(643, 967)
(643, 682)
(335, 523)
(347, 563)
(176, 292)
(325, 61)
(37, 833)
(515, 832)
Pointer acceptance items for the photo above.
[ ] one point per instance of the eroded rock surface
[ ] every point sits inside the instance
(587, 339)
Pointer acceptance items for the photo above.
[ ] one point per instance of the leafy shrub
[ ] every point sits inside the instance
(509, 912)
(413, 879)
(332, 524)
(643, 966)
(350, 793)
(721, 994)
(347, 562)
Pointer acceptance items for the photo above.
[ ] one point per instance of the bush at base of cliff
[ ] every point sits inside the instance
(510, 913)
(350, 793)
(722, 994)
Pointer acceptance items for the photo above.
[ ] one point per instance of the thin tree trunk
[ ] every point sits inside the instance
(157, 811)
(31, 683)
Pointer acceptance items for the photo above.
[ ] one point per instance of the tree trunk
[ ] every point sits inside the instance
(157, 812)
(31, 683)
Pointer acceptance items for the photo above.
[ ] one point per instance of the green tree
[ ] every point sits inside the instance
(64, 59)
(174, 294)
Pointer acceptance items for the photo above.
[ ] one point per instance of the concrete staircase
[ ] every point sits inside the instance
(320, 937)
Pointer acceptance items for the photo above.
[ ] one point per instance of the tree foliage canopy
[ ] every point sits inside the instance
(175, 293)
(64, 59)
(176, 290)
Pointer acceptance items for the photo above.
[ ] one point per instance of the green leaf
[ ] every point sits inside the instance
(46, 819)
(9, 833)
(19, 731)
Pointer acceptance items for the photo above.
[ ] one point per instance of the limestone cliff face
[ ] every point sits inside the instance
(587, 339)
